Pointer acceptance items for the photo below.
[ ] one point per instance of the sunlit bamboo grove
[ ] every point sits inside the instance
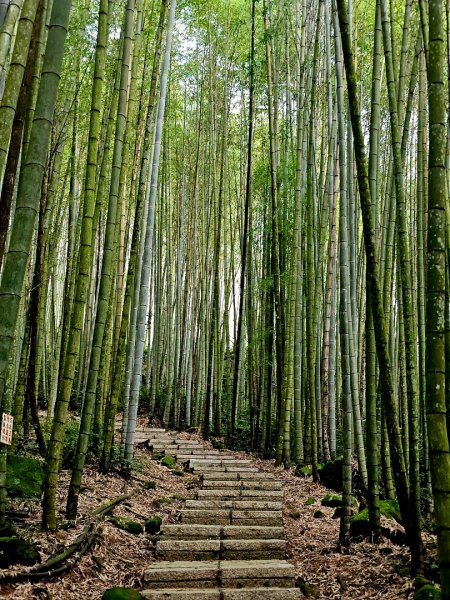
(232, 216)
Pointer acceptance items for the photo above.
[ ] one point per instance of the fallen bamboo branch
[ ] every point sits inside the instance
(69, 556)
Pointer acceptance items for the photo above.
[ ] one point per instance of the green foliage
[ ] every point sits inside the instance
(303, 471)
(164, 500)
(168, 461)
(153, 525)
(127, 466)
(391, 510)
(150, 485)
(24, 477)
(427, 592)
(177, 473)
(127, 525)
(120, 593)
(310, 501)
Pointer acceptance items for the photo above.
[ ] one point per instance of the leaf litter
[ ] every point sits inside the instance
(365, 570)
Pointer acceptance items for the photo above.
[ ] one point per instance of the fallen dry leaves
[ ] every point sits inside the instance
(118, 558)
(363, 571)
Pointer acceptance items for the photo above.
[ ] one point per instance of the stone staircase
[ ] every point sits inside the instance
(229, 544)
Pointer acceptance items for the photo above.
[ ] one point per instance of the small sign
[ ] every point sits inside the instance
(6, 433)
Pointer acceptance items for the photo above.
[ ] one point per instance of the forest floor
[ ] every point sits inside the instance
(119, 558)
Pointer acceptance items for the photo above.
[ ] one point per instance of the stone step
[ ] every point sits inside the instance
(223, 594)
(182, 594)
(152, 430)
(261, 594)
(206, 517)
(196, 468)
(258, 549)
(208, 463)
(210, 504)
(226, 493)
(256, 573)
(266, 518)
(216, 458)
(193, 451)
(238, 532)
(246, 476)
(240, 469)
(180, 574)
(160, 444)
(230, 549)
(207, 532)
(201, 550)
(226, 574)
(190, 532)
(241, 484)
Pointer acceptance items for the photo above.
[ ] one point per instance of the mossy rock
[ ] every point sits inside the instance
(177, 473)
(307, 589)
(319, 514)
(157, 455)
(427, 592)
(150, 485)
(359, 523)
(332, 500)
(127, 525)
(168, 461)
(120, 593)
(24, 476)
(16, 550)
(153, 525)
(391, 510)
(420, 581)
(310, 501)
(294, 513)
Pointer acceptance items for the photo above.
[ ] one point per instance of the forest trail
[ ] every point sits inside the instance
(230, 542)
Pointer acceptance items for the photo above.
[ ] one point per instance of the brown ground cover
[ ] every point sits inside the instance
(365, 570)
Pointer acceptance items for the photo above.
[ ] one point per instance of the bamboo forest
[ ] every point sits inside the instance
(224, 299)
